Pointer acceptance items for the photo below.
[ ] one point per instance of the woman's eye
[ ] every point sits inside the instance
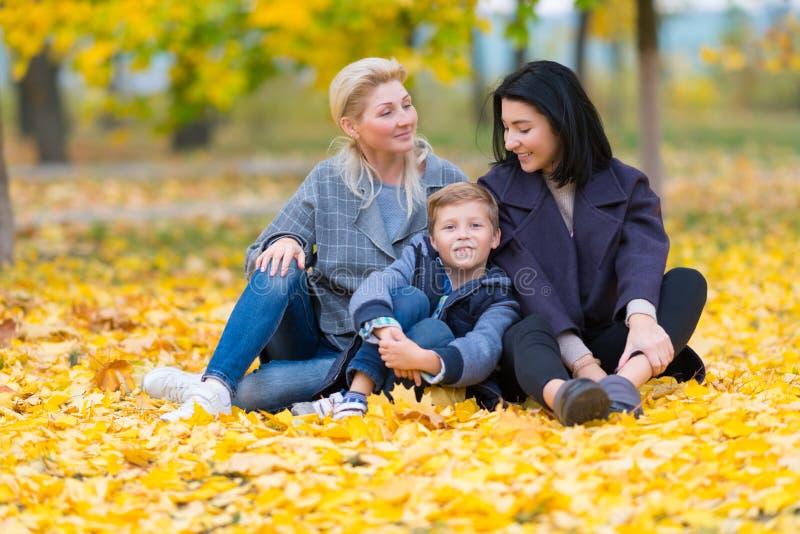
(525, 131)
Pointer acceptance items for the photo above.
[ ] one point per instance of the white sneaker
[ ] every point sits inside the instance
(322, 407)
(349, 407)
(212, 395)
(169, 383)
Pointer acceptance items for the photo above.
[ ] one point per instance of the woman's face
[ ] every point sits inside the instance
(388, 124)
(528, 134)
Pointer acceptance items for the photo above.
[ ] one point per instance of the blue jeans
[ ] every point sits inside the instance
(274, 317)
(412, 310)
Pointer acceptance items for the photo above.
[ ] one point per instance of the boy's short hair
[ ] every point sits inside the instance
(462, 192)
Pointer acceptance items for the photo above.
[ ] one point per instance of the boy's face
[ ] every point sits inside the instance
(463, 236)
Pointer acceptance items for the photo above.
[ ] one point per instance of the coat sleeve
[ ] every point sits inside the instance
(644, 245)
(470, 359)
(373, 297)
(296, 220)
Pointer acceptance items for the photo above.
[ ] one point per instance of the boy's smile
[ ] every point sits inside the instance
(463, 236)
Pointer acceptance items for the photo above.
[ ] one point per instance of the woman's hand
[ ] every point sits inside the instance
(281, 252)
(645, 335)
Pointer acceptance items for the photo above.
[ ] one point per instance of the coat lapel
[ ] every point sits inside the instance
(597, 218)
(370, 221)
(417, 223)
(541, 230)
(432, 180)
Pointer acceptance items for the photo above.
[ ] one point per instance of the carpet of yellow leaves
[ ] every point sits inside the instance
(93, 308)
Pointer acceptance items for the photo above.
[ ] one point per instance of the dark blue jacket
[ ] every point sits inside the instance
(618, 252)
(478, 313)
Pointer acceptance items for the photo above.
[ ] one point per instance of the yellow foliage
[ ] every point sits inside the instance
(695, 93)
(613, 19)
(78, 457)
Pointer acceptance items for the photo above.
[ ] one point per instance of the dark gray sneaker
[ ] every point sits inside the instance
(580, 400)
(624, 396)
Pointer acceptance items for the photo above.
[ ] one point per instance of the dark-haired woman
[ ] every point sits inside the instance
(584, 243)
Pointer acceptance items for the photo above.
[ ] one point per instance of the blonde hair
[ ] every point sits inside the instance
(462, 192)
(348, 95)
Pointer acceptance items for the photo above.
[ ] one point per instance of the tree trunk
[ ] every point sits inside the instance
(6, 213)
(478, 80)
(617, 94)
(42, 109)
(24, 112)
(520, 48)
(580, 46)
(649, 118)
(193, 135)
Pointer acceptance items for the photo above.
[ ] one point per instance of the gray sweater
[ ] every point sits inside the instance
(342, 242)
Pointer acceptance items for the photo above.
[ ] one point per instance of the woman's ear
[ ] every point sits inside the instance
(348, 126)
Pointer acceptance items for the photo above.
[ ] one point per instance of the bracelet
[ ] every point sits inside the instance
(584, 363)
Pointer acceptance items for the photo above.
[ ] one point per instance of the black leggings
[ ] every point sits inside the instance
(531, 357)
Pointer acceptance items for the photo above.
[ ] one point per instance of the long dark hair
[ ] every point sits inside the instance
(556, 93)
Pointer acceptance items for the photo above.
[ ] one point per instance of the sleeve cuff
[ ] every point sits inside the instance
(430, 379)
(379, 322)
(639, 306)
(370, 310)
(572, 348)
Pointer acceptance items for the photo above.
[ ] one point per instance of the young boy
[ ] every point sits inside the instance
(436, 315)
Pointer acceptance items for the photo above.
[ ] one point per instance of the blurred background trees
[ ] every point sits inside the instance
(216, 51)
(145, 79)
(185, 68)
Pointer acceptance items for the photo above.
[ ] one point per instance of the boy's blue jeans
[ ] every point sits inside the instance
(412, 311)
(273, 313)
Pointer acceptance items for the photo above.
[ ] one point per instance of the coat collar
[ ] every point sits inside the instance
(526, 190)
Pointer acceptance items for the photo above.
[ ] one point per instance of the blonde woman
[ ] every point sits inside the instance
(351, 216)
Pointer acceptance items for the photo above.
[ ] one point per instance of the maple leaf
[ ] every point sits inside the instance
(8, 330)
(7, 396)
(115, 375)
(721, 455)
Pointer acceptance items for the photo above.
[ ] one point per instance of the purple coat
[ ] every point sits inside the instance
(618, 252)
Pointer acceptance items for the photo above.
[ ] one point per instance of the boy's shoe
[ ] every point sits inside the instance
(351, 405)
(322, 407)
(623, 395)
(169, 383)
(580, 400)
(212, 395)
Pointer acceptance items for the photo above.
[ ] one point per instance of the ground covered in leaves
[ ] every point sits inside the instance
(88, 310)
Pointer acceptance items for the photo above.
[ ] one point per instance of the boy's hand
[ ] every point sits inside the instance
(400, 353)
(416, 376)
(388, 332)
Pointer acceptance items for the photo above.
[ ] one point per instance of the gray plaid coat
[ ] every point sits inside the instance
(343, 243)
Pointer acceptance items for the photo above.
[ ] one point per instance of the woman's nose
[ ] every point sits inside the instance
(405, 117)
(511, 141)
